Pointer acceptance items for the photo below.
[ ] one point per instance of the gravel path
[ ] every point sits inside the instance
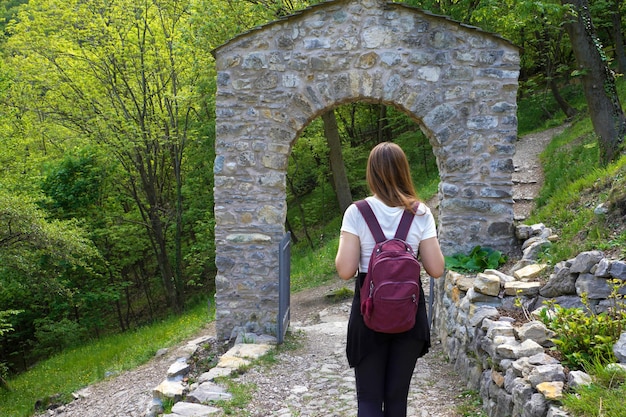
(314, 379)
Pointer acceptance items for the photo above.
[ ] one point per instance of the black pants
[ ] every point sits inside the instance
(383, 378)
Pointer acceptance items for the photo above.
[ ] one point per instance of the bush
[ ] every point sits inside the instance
(53, 337)
(584, 337)
(478, 260)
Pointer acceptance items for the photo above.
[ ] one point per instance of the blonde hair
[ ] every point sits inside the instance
(389, 176)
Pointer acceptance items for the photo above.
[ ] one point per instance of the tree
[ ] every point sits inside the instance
(607, 115)
(120, 75)
(618, 36)
(338, 169)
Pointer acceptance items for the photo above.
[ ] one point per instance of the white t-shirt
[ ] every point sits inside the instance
(423, 226)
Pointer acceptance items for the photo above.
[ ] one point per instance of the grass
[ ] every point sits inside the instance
(74, 369)
(603, 398)
(472, 405)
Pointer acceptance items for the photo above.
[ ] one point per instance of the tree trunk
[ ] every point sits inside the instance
(569, 111)
(551, 59)
(384, 132)
(156, 232)
(337, 167)
(607, 116)
(618, 37)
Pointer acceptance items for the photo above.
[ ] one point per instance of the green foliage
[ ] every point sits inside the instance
(479, 259)
(5, 325)
(472, 405)
(604, 397)
(55, 336)
(340, 294)
(77, 367)
(74, 185)
(582, 336)
(538, 108)
(596, 401)
(312, 267)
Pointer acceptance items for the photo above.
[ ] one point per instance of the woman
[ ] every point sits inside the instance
(384, 363)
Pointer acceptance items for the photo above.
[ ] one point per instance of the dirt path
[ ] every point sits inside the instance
(295, 386)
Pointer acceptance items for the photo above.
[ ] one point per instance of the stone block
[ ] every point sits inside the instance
(552, 391)
(526, 289)
(594, 287)
(584, 261)
(186, 409)
(487, 284)
(530, 272)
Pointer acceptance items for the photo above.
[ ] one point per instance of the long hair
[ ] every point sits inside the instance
(389, 177)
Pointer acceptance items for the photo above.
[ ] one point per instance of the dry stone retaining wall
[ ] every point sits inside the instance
(458, 82)
(505, 360)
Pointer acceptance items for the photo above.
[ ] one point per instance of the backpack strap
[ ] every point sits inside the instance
(370, 219)
(405, 225)
(374, 226)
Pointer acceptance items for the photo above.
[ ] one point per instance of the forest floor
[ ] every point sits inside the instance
(437, 391)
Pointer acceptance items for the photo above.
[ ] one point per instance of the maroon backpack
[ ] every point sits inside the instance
(391, 288)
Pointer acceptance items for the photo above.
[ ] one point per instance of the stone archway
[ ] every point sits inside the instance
(458, 82)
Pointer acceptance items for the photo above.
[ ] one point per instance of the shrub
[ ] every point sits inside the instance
(478, 260)
(583, 336)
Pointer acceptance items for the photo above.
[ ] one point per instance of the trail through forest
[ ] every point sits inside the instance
(314, 379)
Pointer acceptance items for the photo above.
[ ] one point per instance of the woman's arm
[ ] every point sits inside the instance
(431, 256)
(348, 255)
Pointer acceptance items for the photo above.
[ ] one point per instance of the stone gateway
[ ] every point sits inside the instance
(457, 82)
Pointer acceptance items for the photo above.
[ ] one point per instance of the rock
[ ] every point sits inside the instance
(529, 348)
(546, 373)
(535, 331)
(526, 289)
(534, 250)
(478, 313)
(561, 282)
(619, 348)
(213, 373)
(497, 378)
(504, 278)
(248, 351)
(487, 284)
(553, 391)
(578, 378)
(185, 409)
(476, 297)
(232, 362)
(161, 352)
(500, 328)
(465, 283)
(618, 270)
(180, 367)
(594, 287)
(583, 263)
(537, 406)
(555, 411)
(601, 209)
(154, 408)
(529, 272)
(523, 232)
(170, 389)
(602, 268)
(207, 392)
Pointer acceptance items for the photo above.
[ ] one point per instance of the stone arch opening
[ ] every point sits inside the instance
(458, 82)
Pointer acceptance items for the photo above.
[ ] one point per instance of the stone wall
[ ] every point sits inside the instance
(458, 82)
(504, 357)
